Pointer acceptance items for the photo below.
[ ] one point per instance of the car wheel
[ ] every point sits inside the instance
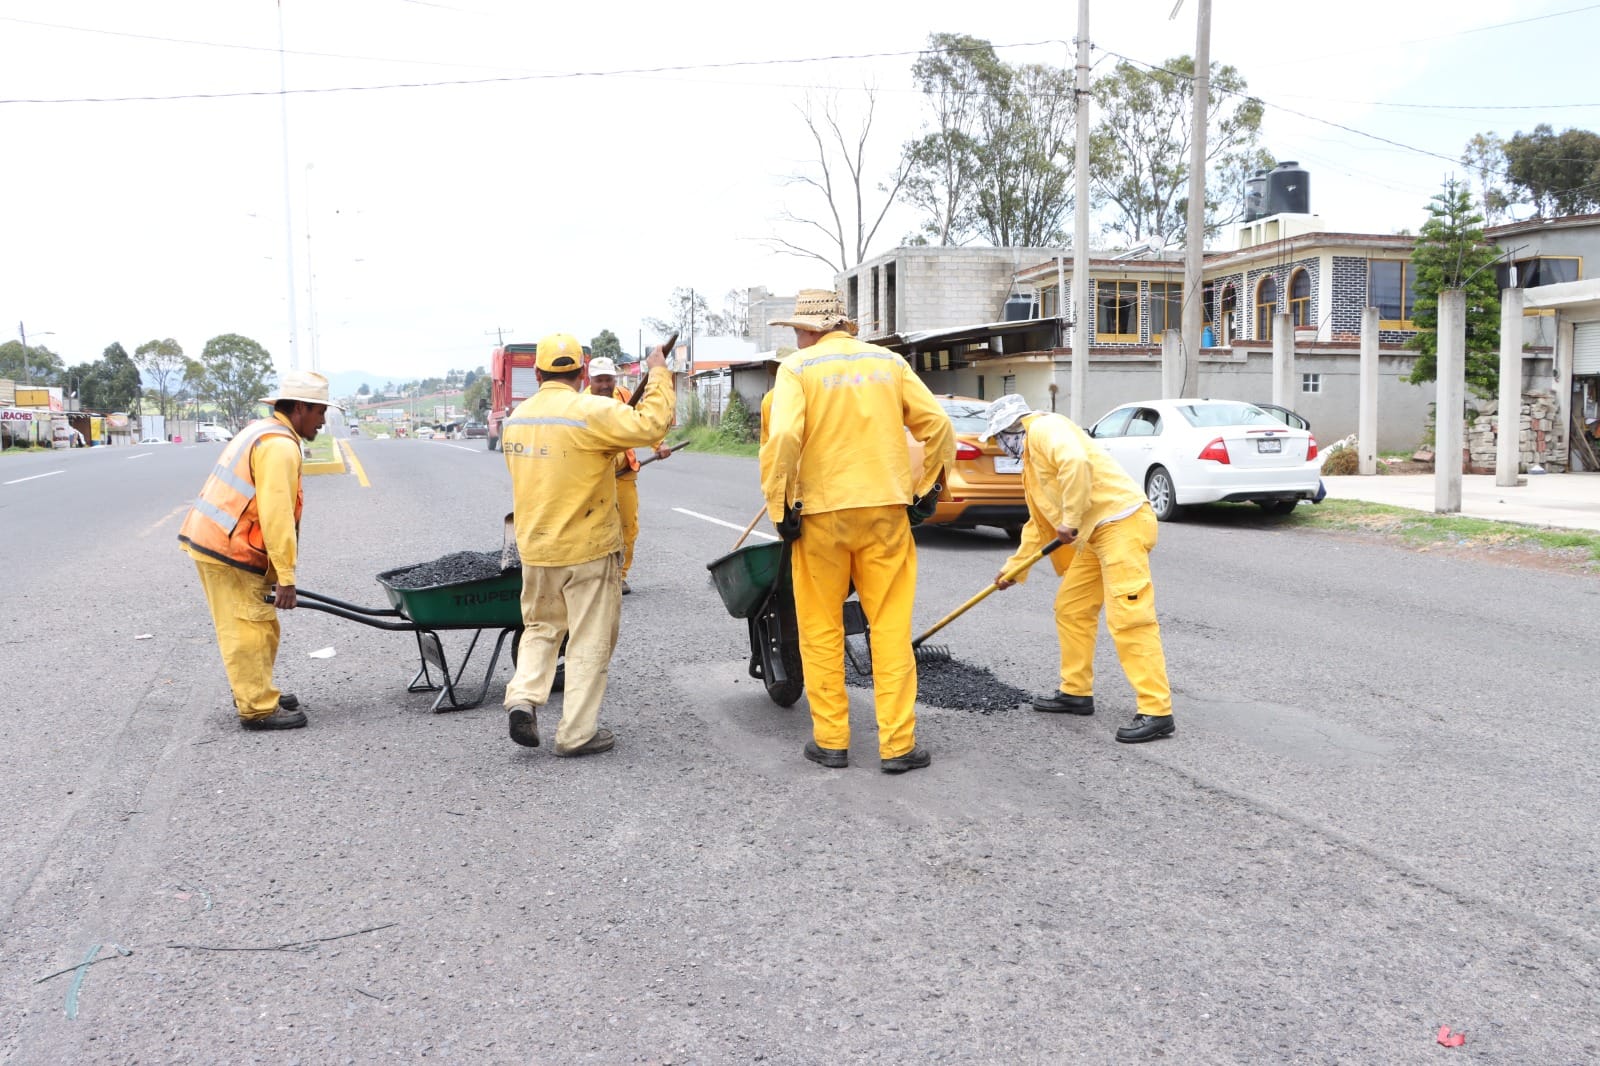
(1278, 507)
(1163, 497)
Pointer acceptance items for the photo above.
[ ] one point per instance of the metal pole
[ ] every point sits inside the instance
(1367, 409)
(1450, 393)
(1080, 232)
(1508, 448)
(311, 280)
(27, 373)
(1195, 232)
(1282, 357)
(288, 204)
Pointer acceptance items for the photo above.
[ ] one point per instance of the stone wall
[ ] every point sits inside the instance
(1542, 439)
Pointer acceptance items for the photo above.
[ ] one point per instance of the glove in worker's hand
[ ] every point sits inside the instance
(921, 509)
(789, 528)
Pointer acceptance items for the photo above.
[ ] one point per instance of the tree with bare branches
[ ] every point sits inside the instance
(852, 205)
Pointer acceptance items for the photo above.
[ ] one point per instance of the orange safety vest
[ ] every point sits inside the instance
(224, 523)
(623, 395)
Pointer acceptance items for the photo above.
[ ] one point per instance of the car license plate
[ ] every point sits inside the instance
(1269, 446)
(1004, 464)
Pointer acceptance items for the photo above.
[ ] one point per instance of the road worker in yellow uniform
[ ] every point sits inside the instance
(560, 447)
(1078, 493)
(603, 382)
(243, 534)
(837, 478)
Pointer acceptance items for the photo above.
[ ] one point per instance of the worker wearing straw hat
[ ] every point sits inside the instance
(243, 533)
(1079, 494)
(603, 382)
(837, 477)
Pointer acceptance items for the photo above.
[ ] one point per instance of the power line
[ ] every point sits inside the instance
(1302, 60)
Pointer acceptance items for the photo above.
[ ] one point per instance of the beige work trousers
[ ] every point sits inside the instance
(247, 634)
(582, 603)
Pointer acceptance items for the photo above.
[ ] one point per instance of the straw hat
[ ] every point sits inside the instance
(817, 310)
(307, 386)
(602, 367)
(559, 353)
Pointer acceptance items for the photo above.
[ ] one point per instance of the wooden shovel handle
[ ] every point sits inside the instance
(750, 527)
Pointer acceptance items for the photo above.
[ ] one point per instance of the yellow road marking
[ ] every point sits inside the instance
(355, 464)
(164, 519)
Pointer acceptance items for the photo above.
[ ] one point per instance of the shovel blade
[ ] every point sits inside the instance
(510, 558)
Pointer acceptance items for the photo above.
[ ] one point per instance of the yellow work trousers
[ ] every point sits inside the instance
(1112, 569)
(582, 603)
(871, 546)
(247, 634)
(628, 511)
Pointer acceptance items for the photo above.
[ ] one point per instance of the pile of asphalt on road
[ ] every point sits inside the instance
(954, 685)
(458, 568)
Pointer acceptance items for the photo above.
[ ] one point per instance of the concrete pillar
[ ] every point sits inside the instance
(1508, 446)
(1449, 395)
(1566, 338)
(1282, 357)
(1367, 410)
(1171, 364)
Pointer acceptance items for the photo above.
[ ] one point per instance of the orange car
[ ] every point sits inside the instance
(985, 487)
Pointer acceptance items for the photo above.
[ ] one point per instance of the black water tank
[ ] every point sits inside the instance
(1255, 196)
(1288, 190)
(1020, 307)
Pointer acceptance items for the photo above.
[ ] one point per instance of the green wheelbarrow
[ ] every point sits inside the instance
(755, 584)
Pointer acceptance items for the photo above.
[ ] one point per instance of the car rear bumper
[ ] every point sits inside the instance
(1237, 486)
(965, 515)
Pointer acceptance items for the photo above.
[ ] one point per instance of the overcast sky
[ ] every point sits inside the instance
(439, 213)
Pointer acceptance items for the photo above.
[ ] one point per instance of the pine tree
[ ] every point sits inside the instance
(1451, 253)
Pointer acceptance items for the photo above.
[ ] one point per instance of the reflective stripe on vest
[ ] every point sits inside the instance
(223, 523)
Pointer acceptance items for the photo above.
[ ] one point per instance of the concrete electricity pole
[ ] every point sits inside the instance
(1450, 394)
(288, 203)
(1195, 233)
(1080, 233)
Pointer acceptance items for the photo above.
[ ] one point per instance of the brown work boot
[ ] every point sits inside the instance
(603, 740)
(278, 719)
(524, 725)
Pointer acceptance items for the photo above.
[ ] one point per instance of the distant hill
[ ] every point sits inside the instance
(346, 382)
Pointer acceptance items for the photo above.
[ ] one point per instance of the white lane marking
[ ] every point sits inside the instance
(463, 447)
(35, 477)
(720, 522)
(142, 455)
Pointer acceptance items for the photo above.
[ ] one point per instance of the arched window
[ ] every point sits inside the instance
(1266, 306)
(1300, 298)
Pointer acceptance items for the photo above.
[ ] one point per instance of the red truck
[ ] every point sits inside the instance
(511, 381)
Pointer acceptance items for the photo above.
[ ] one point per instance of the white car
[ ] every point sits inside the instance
(1207, 451)
(210, 431)
(424, 433)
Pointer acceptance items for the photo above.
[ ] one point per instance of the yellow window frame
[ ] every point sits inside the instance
(1300, 307)
(1170, 294)
(1119, 287)
(1407, 270)
(1265, 310)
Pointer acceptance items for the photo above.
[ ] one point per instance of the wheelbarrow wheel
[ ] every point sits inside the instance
(560, 681)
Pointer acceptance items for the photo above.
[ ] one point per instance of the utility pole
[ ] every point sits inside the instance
(499, 334)
(311, 280)
(1080, 233)
(1195, 232)
(689, 362)
(27, 374)
(288, 204)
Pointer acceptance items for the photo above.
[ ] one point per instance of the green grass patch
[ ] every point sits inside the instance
(323, 450)
(708, 439)
(1423, 528)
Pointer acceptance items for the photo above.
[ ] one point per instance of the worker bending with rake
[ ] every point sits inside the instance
(837, 478)
(603, 382)
(1079, 494)
(560, 447)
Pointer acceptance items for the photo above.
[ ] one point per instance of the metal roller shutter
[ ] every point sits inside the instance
(1586, 348)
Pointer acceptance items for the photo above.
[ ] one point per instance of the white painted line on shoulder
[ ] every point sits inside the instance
(142, 455)
(720, 522)
(462, 447)
(35, 477)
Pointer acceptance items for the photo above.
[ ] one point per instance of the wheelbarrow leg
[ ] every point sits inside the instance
(449, 688)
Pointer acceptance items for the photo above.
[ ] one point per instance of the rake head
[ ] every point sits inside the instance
(932, 653)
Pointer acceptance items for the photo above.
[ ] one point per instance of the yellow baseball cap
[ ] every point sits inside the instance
(559, 353)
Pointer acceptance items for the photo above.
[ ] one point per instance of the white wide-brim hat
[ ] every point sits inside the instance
(307, 386)
(1003, 414)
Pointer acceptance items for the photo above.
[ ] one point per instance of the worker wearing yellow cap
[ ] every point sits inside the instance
(603, 382)
(836, 474)
(560, 447)
(1080, 495)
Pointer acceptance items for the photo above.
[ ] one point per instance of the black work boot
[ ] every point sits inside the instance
(915, 759)
(1062, 703)
(278, 719)
(288, 701)
(1147, 727)
(832, 758)
(524, 725)
(603, 740)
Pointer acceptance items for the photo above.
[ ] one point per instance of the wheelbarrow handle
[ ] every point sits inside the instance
(994, 586)
(365, 615)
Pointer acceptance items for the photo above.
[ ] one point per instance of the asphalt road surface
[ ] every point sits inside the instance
(1377, 818)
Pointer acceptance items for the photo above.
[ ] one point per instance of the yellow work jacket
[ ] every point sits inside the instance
(627, 462)
(248, 511)
(1069, 481)
(561, 446)
(840, 409)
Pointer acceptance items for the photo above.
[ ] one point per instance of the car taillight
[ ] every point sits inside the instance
(1311, 448)
(1215, 451)
(967, 451)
